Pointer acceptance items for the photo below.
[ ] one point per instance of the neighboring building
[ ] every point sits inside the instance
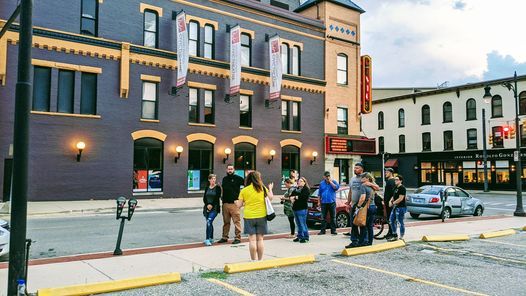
(435, 136)
(103, 72)
(343, 140)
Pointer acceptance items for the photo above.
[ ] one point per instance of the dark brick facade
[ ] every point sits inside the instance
(106, 168)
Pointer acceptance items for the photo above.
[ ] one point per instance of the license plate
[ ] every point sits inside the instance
(418, 200)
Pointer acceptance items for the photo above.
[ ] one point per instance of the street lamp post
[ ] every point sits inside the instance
(519, 210)
(484, 148)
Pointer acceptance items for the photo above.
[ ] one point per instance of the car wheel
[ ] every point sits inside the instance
(414, 216)
(446, 214)
(342, 220)
(478, 211)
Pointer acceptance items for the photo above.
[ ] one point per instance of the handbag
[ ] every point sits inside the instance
(268, 205)
(360, 219)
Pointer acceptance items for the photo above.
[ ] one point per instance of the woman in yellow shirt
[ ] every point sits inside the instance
(252, 197)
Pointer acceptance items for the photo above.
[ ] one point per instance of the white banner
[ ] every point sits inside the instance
(182, 49)
(276, 71)
(235, 60)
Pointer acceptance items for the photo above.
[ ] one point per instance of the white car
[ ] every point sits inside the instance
(4, 237)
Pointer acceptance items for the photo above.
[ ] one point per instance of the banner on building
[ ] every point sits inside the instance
(235, 60)
(276, 71)
(366, 85)
(182, 49)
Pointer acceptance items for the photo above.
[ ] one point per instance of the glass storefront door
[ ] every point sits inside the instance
(200, 164)
(148, 165)
(290, 160)
(245, 159)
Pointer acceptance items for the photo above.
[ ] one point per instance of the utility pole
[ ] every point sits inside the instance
(23, 96)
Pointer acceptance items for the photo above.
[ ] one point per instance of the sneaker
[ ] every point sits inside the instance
(296, 240)
(401, 238)
(321, 233)
(349, 246)
(334, 233)
(236, 241)
(392, 238)
(292, 235)
(223, 240)
(208, 242)
(303, 241)
(347, 233)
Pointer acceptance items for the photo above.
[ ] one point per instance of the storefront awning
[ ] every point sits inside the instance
(391, 163)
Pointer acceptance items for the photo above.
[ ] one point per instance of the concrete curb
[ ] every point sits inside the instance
(497, 233)
(112, 286)
(373, 249)
(445, 238)
(266, 264)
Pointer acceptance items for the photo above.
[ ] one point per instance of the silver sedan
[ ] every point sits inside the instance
(427, 200)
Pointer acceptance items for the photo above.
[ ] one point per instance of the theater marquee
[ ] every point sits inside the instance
(366, 85)
(339, 145)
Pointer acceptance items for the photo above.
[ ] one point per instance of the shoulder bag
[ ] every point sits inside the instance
(268, 205)
(360, 219)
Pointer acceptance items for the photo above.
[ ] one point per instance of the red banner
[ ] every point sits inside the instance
(366, 85)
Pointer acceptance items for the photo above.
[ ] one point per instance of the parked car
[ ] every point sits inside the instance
(4, 237)
(426, 200)
(342, 210)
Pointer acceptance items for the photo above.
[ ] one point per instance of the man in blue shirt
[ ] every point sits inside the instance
(327, 199)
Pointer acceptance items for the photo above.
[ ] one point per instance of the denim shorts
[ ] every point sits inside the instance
(255, 226)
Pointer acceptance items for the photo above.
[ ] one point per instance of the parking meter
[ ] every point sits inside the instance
(132, 204)
(121, 201)
(443, 198)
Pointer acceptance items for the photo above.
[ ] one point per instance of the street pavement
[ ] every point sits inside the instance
(202, 260)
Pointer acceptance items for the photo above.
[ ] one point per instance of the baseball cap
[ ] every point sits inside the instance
(326, 174)
(389, 170)
(359, 164)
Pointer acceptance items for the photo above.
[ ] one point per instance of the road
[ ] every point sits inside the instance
(62, 236)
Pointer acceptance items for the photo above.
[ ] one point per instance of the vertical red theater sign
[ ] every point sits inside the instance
(366, 85)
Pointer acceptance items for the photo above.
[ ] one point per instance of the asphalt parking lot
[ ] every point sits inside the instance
(477, 267)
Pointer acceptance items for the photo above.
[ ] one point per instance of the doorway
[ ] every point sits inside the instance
(451, 178)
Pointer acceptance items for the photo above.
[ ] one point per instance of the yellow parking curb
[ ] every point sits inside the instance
(112, 286)
(524, 228)
(266, 264)
(373, 249)
(497, 233)
(445, 238)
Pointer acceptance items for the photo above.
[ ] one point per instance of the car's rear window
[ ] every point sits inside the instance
(314, 192)
(428, 190)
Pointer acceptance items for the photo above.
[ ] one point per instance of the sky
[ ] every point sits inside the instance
(418, 43)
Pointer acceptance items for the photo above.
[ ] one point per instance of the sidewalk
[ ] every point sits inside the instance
(196, 257)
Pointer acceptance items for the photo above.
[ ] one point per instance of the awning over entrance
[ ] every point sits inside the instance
(391, 163)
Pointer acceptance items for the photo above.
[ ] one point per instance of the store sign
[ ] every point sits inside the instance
(366, 85)
(182, 49)
(338, 145)
(235, 60)
(194, 179)
(501, 155)
(276, 71)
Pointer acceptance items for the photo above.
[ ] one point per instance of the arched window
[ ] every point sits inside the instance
(381, 147)
(426, 114)
(200, 164)
(380, 120)
(401, 118)
(244, 158)
(285, 58)
(147, 165)
(522, 103)
(401, 143)
(447, 112)
(496, 106)
(290, 160)
(341, 65)
(193, 38)
(471, 109)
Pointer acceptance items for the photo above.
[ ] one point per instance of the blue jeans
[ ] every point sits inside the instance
(398, 214)
(363, 236)
(328, 208)
(301, 220)
(210, 216)
(371, 212)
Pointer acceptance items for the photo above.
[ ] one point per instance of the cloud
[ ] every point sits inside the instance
(500, 66)
(424, 43)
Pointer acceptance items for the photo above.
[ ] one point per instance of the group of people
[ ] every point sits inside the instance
(250, 193)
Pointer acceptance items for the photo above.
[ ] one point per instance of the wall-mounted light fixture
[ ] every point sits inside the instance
(179, 150)
(227, 153)
(271, 153)
(460, 168)
(314, 156)
(513, 168)
(415, 167)
(80, 146)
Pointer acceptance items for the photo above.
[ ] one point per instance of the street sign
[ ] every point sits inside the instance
(515, 155)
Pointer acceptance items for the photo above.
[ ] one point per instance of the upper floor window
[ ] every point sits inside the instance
(41, 89)
(498, 136)
(193, 38)
(471, 109)
(401, 118)
(285, 58)
(279, 4)
(149, 100)
(448, 140)
(88, 93)
(381, 145)
(522, 103)
(380, 120)
(295, 60)
(151, 22)
(193, 105)
(89, 17)
(285, 115)
(426, 141)
(342, 121)
(66, 91)
(246, 50)
(209, 42)
(245, 109)
(426, 114)
(472, 138)
(296, 122)
(401, 143)
(496, 106)
(209, 106)
(447, 112)
(341, 66)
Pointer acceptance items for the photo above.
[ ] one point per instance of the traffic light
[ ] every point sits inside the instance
(512, 132)
(506, 132)
(491, 140)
